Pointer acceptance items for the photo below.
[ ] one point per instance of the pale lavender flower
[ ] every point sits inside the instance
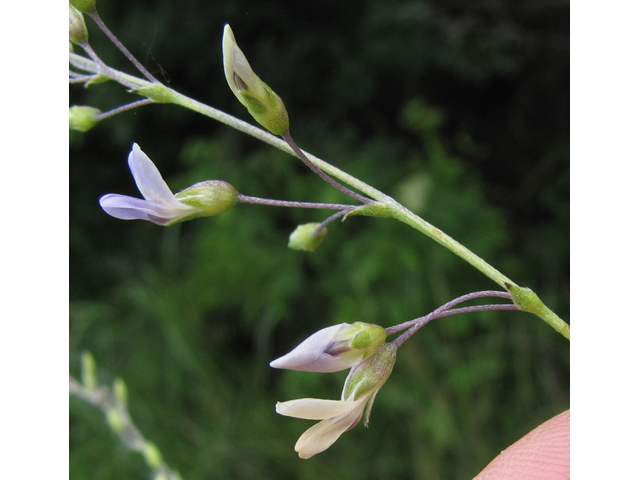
(160, 205)
(334, 348)
(360, 389)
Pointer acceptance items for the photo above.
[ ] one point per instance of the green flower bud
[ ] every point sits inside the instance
(371, 374)
(77, 28)
(120, 392)
(307, 237)
(82, 118)
(114, 419)
(360, 340)
(152, 455)
(210, 197)
(89, 372)
(263, 103)
(84, 6)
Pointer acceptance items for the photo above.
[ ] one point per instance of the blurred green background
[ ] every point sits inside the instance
(458, 109)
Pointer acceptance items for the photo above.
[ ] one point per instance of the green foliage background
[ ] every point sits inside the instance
(458, 110)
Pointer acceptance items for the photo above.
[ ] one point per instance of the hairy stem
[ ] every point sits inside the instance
(300, 154)
(96, 18)
(286, 203)
(123, 108)
(445, 310)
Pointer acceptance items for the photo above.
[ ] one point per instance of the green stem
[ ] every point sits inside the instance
(525, 298)
(407, 216)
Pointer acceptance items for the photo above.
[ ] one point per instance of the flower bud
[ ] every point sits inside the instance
(307, 237)
(120, 392)
(334, 348)
(82, 118)
(211, 197)
(89, 380)
(84, 6)
(114, 419)
(77, 28)
(263, 103)
(370, 375)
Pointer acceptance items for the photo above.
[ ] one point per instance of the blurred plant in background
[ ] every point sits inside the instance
(467, 127)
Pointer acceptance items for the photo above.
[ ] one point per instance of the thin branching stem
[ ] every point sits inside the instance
(445, 310)
(123, 108)
(108, 71)
(290, 204)
(300, 154)
(96, 18)
(332, 218)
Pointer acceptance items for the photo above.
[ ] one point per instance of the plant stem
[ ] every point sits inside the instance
(121, 47)
(445, 310)
(448, 305)
(123, 108)
(163, 94)
(300, 154)
(407, 216)
(286, 203)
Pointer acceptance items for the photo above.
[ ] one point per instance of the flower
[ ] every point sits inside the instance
(263, 103)
(334, 348)
(160, 205)
(360, 390)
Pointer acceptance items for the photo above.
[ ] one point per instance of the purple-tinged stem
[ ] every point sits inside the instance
(445, 310)
(300, 154)
(121, 47)
(123, 108)
(106, 69)
(333, 217)
(285, 203)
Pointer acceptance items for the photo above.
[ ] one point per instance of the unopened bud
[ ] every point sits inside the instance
(77, 28)
(334, 348)
(82, 118)
(307, 237)
(89, 380)
(152, 455)
(114, 419)
(120, 392)
(263, 103)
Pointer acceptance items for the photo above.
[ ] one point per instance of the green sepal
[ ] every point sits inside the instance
(84, 6)
(273, 115)
(371, 374)
(307, 237)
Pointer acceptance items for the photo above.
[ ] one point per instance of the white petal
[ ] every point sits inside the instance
(235, 63)
(309, 356)
(228, 51)
(149, 180)
(322, 435)
(315, 408)
(129, 208)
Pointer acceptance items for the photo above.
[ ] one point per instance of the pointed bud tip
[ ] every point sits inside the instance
(264, 105)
